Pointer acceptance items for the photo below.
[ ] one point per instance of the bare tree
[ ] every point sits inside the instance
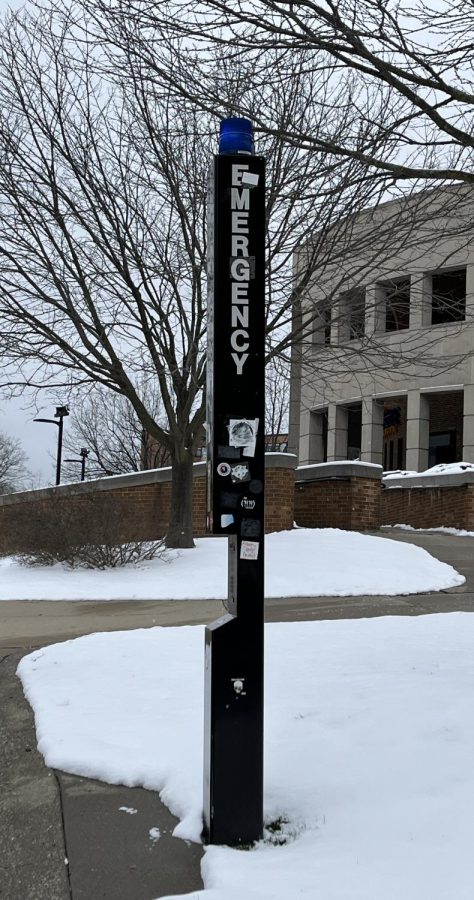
(102, 242)
(336, 136)
(277, 398)
(108, 427)
(409, 69)
(103, 181)
(12, 464)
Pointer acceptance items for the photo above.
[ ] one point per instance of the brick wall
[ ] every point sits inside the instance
(338, 495)
(330, 495)
(279, 498)
(424, 507)
(139, 503)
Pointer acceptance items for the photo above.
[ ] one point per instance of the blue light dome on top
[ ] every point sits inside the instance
(236, 136)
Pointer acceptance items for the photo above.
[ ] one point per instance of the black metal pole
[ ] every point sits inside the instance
(60, 450)
(233, 751)
(84, 455)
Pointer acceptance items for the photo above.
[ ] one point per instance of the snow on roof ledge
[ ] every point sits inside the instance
(442, 475)
(343, 468)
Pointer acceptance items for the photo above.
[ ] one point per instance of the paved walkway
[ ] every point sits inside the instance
(65, 838)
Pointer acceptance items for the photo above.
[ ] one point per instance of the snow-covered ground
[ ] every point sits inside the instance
(369, 747)
(301, 563)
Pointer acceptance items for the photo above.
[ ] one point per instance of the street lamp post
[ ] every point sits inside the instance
(60, 414)
(84, 453)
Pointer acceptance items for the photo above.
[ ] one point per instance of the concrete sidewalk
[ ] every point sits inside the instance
(62, 836)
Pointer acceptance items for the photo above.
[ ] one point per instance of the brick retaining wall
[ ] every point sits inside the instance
(345, 495)
(338, 495)
(425, 501)
(139, 502)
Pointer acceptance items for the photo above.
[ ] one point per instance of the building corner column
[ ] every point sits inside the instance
(337, 433)
(418, 431)
(371, 449)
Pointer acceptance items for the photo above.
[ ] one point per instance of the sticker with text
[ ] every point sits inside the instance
(223, 469)
(249, 550)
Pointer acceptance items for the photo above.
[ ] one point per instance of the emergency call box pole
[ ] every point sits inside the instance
(233, 719)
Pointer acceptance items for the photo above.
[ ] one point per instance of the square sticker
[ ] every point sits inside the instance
(249, 550)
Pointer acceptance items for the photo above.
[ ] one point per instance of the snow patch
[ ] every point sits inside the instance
(369, 783)
(307, 562)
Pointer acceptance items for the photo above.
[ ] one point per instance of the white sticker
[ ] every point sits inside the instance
(250, 179)
(249, 550)
(240, 472)
(226, 520)
(223, 469)
(243, 433)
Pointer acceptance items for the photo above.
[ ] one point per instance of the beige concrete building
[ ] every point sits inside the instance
(385, 372)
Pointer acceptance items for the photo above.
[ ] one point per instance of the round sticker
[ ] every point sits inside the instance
(223, 469)
(256, 486)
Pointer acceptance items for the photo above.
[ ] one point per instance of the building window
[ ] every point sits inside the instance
(442, 448)
(397, 304)
(356, 302)
(322, 324)
(390, 456)
(354, 431)
(448, 297)
(400, 454)
(326, 317)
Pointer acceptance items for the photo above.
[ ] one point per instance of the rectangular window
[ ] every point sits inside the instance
(324, 424)
(354, 431)
(390, 456)
(448, 297)
(400, 455)
(442, 448)
(356, 314)
(322, 324)
(327, 324)
(397, 304)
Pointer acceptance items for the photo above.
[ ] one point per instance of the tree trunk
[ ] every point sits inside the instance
(180, 531)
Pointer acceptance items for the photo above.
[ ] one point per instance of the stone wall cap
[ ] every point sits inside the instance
(108, 483)
(344, 468)
(276, 460)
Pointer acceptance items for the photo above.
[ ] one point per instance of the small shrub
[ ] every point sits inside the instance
(97, 556)
(84, 530)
